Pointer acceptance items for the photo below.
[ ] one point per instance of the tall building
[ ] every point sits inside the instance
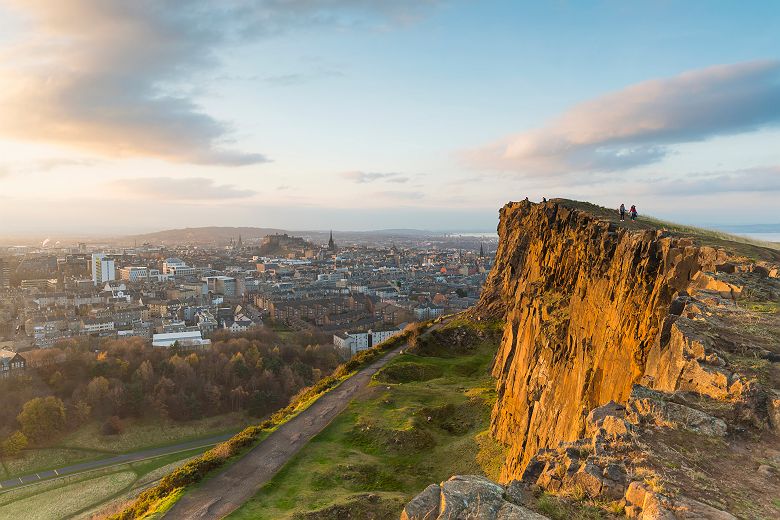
(103, 268)
(331, 243)
(5, 275)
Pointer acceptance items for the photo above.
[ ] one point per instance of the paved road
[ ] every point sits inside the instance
(112, 461)
(223, 494)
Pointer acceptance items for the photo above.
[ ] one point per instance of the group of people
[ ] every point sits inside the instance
(631, 212)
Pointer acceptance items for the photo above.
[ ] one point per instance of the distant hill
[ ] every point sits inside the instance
(215, 235)
(200, 235)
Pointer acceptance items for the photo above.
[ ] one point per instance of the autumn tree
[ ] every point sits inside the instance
(14, 444)
(42, 417)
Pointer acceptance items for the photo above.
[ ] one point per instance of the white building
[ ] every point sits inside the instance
(134, 273)
(103, 269)
(177, 267)
(356, 341)
(186, 339)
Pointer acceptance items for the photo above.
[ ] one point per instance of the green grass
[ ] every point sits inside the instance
(750, 248)
(392, 441)
(88, 443)
(88, 492)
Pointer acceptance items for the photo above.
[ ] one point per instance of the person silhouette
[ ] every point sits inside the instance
(633, 212)
(622, 212)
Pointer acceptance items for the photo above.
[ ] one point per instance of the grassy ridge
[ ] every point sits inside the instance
(162, 495)
(424, 418)
(750, 248)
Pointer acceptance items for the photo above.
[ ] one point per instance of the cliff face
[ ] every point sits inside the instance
(584, 301)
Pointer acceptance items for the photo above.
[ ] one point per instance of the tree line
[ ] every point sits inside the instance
(255, 372)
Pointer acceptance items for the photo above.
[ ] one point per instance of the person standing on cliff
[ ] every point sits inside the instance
(622, 212)
(633, 212)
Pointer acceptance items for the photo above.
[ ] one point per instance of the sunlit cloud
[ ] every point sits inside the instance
(638, 125)
(186, 189)
(360, 177)
(116, 77)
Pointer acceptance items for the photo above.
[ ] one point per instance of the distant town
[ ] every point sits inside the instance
(360, 292)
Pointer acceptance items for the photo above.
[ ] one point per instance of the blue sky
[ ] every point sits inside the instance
(366, 115)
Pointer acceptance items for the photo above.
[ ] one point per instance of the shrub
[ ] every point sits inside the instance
(113, 426)
(15, 443)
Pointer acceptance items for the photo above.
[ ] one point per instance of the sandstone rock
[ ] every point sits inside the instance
(773, 410)
(511, 511)
(645, 504)
(466, 497)
(424, 506)
(583, 302)
(689, 509)
(650, 407)
(470, 496)
(589, 478)
(597, 415)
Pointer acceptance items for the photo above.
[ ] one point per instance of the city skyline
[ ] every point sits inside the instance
(127, 118)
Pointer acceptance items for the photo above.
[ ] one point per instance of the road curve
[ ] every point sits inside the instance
(226, 492)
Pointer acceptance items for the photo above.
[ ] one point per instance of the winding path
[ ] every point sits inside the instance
(223, 494)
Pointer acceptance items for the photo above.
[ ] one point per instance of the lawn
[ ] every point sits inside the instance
(87, 493)
(88, 443)
(422, 420)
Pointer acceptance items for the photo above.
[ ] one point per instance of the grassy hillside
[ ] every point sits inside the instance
(753, 249)
(423, 418)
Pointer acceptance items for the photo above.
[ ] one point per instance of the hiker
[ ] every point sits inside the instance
(633, 212)
(622, 212)
(544, 199)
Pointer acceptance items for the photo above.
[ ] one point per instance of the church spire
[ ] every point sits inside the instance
(481, 250)
(331, 243)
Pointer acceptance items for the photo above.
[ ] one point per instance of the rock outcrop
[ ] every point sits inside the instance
(629, 373)
(467, 497)
(593, 308)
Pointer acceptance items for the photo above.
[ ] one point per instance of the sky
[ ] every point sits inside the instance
(124, 117)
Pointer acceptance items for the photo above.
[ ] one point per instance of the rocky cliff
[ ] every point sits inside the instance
(627, 348)
(584, 302)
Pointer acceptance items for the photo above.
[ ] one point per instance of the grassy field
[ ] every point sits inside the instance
(80, 496)
(422, 420)
(88, 443)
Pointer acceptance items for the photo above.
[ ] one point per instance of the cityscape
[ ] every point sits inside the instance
(181, 295)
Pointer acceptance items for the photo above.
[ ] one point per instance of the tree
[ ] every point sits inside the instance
(82, 411)
(15, 443)
(113, 426)
(42, 417)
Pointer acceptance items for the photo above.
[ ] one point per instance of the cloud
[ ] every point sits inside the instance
(116, 77)
(298, 78)
(360, 177)
(167, 188)
(762, 180)
(637, 125)
(401, 195)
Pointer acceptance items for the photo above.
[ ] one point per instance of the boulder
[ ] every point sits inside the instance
(689, 509)
(645, 504)
(470, 496)
(467, 497)
(648, 406)
(424, 506)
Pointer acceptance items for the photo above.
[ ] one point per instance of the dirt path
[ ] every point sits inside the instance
(223, 494)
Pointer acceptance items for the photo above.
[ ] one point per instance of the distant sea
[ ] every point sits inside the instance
(766, 237)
